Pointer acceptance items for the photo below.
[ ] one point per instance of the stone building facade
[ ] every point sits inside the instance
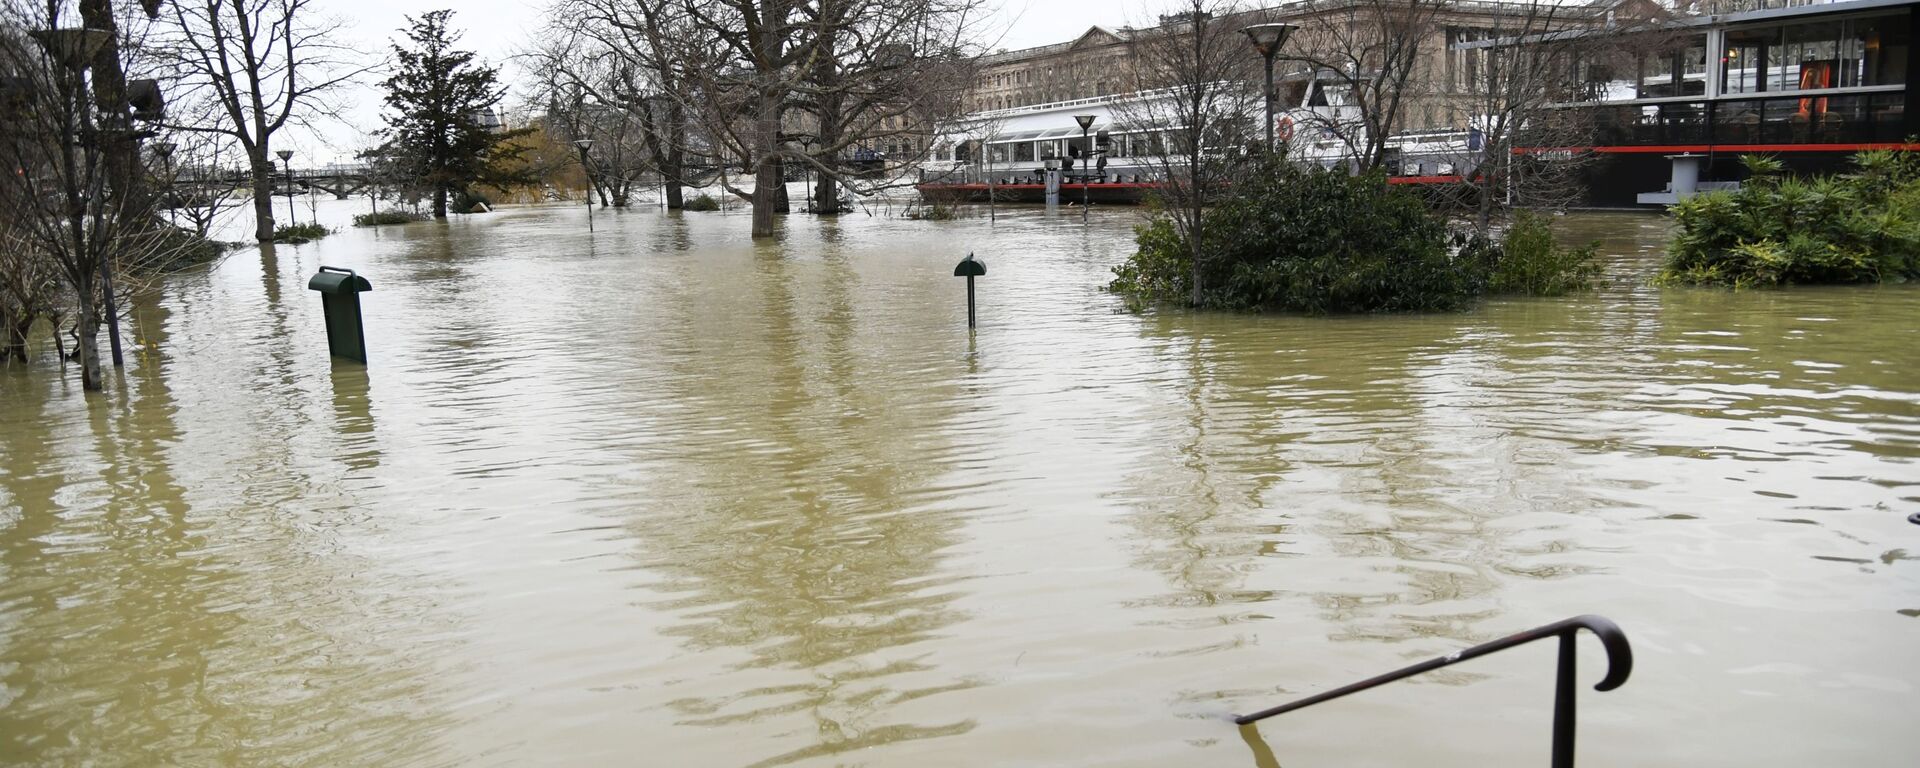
(1100, 61)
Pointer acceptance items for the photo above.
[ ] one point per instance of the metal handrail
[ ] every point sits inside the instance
(1619, 666)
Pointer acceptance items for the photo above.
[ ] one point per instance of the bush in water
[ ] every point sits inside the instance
(386, 217)
(1308, 240)
(295, 234)
(1862, 227)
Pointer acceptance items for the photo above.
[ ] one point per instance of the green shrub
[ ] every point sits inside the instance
(1862, 227)
(1307, 240)
(701, 203)
(294, 234)
(379, 218)
(1528, 261)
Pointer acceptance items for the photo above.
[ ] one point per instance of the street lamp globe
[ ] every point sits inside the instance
(1085, 121)
(1267, 38)
(285, 155)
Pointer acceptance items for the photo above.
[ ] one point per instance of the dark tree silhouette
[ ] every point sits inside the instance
(440, 105)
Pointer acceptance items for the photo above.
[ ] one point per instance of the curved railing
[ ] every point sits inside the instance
(1619, 666)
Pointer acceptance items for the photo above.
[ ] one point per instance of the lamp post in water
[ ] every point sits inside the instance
(286, 160)
(588, 170)
(1267, 39)
(1086, 158)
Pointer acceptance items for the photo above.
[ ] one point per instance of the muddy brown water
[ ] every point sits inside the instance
(660, 495)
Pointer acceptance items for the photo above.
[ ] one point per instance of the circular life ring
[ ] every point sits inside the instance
(1284, 129)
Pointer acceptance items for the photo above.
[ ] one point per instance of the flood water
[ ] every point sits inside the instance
(661, 495)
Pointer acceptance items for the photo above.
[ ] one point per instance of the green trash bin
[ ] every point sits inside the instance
(340, 291)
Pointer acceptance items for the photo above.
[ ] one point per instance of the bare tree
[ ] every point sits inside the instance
(1376, 54)
(592, 91)
(642, 42)
(1194, 73)
(66, 214)
(195, 173)
(764, 85)
(254, 67)
(882, 73)
(30, 290)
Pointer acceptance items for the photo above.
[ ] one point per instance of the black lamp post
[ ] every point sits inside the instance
(164, 151)
(583, 144)
(1086, 158)
(806, 168)
(1267, 39)
(286, 159)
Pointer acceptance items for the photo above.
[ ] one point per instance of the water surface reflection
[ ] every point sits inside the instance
(664, 493)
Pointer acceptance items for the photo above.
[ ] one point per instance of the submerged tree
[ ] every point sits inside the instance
(71, 216)
(1195, 72)
(766, 85)
(250, 69)
(1375, 54)
(442, 114)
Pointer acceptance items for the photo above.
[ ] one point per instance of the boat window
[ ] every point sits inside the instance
(1677, 69)
(1812, 55)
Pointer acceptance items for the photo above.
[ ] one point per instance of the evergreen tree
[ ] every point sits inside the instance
(439, 103)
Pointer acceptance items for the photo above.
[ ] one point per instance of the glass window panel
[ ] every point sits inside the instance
(1889, 114)
(1809, 57)
(1744, 63)
(1676, 70)
(1882, 42)
(1737, 122)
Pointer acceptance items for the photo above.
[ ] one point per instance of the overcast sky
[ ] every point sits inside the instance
(497, 29)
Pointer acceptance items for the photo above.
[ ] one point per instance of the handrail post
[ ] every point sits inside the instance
(1563, 702)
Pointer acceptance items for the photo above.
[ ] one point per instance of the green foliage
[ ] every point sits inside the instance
(379, 218)
(1306, 240)
(701, 203)
(1862, 227)
(435, 100)
(295, 234)
(1160, 271)
(1528, 261)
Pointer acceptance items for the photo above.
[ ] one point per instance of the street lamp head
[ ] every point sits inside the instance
(73, 47)
(583, 144)
(1085, 121)
(163, 148)
(1267, 38)
(285, 155)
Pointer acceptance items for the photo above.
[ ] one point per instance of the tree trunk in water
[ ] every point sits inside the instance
(89, 349)
(766, 183)
(439, 202)
(14, 346)
(1193, 253)
(766, 171)
(675, 198)
(262, 195)
(780, 202)
(826, 196)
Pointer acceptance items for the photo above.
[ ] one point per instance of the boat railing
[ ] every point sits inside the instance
(1123, 174)
(1619, 666)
